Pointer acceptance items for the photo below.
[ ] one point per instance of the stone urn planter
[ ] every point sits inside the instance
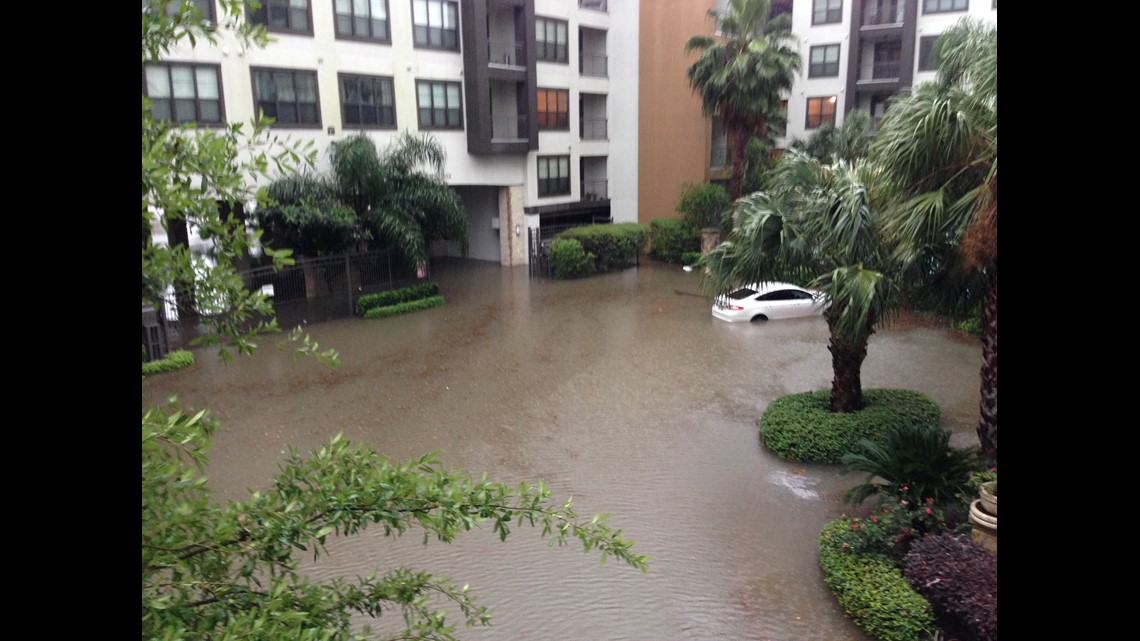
(988, 496)
(983, 517)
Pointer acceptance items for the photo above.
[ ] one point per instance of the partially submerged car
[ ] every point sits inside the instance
(768, 301)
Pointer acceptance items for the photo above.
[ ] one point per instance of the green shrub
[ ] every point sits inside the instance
(614, 246)
(395, 296)
(690, 258)
(801, 427)
(174, 360)
(892, 529)
(670, 239)
(916, 461)
(872, 590)
(701, 204)
(971, 325)
(569, 260)
(405, 307)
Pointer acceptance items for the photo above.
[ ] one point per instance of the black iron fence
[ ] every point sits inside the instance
(310, 291)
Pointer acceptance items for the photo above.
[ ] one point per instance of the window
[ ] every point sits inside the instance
(367, 101)
(554, 109)
(284, 15)
(718, 152)
(435, 24)
(288, 96)
(205, 6)
(944, 6)
(553, 176)
(925, 49)
(820, 111)
(184, 93)
(826, 11)
(367, 19)
(439, 104)
(824, 61)
(550, 36)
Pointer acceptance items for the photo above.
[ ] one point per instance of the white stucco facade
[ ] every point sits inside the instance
(610, 33)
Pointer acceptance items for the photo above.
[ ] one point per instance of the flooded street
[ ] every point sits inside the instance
(619, 390)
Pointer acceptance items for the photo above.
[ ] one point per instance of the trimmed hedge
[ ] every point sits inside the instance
(403, 308)
(569, 260)
(174, 360)
(959, 579)
(671, 238)
(395, 296)
(801, 428)
(872, 590)
(691, 258)
(615, 245)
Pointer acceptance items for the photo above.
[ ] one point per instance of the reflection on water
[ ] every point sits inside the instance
(620, 390)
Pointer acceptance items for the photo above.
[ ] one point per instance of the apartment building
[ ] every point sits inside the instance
(534, 101)
(856, 54)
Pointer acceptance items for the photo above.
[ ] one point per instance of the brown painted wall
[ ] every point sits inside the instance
(673, 146)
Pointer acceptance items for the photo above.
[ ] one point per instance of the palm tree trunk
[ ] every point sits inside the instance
(739, 138)
(847, 364)
(987, 417)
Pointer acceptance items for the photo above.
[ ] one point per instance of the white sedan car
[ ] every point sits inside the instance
(769, 300)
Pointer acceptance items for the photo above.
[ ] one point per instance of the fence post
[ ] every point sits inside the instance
(348, 282)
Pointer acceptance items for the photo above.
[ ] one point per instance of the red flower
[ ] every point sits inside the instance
(929, 500)
(873, 519)
(929, 511)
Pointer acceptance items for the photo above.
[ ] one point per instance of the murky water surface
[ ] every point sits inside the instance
(620, 390)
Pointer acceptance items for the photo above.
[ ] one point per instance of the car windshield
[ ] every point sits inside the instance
(743, 292)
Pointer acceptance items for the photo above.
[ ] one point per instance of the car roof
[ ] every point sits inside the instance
(770, 285)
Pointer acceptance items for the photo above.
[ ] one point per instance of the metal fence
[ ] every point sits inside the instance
(310, 291)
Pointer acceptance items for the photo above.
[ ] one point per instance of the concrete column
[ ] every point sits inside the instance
(512, 245)
(710, 237)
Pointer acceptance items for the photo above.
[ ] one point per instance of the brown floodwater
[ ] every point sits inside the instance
(619, 390)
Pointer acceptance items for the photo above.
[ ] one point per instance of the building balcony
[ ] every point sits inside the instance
(596, 5)
(593, 129)
(882, 13)
(882, 71)
(595, 190)
(509, 129)
(504, 53)
(593, 65)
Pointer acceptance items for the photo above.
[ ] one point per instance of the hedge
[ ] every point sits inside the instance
(801, 428)
(174, 360)
(403, 308)
(959, 579)
(395, 296)
(569, 260)
(872, 590)
(671, 238)
(615, 246)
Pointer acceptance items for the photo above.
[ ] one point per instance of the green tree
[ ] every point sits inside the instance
(846, 142)
(742, 74)
(817, 219)
(230, 571)
(394, 197)
(703, 204)
(938, 146)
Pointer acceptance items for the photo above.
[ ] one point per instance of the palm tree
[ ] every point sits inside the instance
(396, 196)
(398, 193)
(820, 220)
(742, 74)
(939, 149)
(847, 141)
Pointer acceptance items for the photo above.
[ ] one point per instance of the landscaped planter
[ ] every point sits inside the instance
(985, 527)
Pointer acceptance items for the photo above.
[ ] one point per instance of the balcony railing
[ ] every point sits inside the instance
(506, 53)
(593, 129)
(509, 128)
(597, 5)
(595, 190)
(885, 71)
(878, 15)
(592, 65)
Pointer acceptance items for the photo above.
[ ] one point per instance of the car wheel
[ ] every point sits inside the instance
(759, 317)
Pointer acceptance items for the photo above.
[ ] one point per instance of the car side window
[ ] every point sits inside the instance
(780, 294)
